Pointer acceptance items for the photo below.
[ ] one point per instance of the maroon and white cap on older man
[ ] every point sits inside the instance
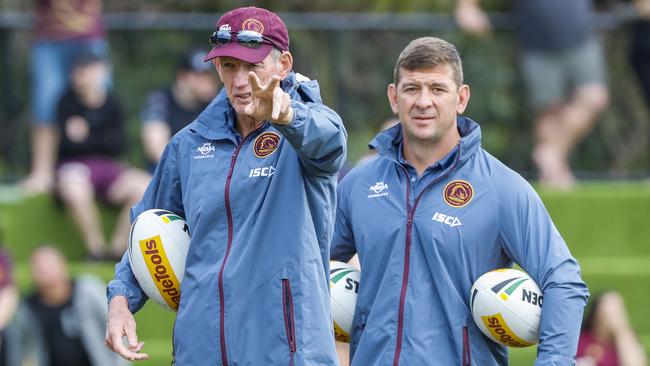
(259, 20)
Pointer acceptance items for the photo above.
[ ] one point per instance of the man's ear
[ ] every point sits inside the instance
(463, 98)
(392, 96)
(286, 64)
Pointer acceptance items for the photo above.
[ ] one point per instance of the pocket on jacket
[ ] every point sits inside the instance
(287, 309)
(257, 324)
(467, 354)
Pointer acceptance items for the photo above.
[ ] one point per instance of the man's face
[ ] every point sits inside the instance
(234, 76)
(427, 102)
(88, 78)
(48, 268)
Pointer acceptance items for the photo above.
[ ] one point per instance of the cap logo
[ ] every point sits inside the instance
(265, 144)
(253, 24)
(458, 193)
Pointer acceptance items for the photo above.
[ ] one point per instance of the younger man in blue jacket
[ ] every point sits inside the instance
(433, 212)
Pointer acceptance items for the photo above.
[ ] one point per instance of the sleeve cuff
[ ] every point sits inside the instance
(112, 291)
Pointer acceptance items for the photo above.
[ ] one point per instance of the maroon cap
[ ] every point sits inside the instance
(253, 19)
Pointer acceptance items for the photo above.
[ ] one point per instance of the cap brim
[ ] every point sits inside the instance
(235, 50)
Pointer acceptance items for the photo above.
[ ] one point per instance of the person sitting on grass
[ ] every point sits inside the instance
(90, 124)
(607, 338)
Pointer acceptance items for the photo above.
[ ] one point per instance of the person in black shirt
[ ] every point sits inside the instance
(69, 314)
(90, 125)
(170, 109)
(8, 304)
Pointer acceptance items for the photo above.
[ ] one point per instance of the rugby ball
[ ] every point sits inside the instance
(344, 287)
(158, 244)
(506, 306)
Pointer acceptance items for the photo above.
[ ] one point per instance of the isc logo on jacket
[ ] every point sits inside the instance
(446, 219)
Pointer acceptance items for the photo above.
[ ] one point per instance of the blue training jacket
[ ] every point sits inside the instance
(261, 213)
(423, 241)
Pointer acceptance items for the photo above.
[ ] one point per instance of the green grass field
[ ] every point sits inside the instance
(605, 225)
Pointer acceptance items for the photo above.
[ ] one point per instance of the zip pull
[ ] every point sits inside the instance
(233, 159)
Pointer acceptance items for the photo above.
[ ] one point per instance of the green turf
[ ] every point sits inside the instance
(36, 220)
(603, 220)
(605, 226)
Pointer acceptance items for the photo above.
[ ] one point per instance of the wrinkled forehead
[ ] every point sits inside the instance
(442, 74)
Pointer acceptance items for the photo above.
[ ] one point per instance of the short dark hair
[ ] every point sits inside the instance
(192, 61)
(429, 52)
(86, 58)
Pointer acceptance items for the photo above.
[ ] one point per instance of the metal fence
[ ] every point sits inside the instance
(352, 55)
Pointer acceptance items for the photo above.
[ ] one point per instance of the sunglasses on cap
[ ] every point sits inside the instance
(246, 38)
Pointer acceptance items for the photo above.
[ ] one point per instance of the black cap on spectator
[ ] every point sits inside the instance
(193, 61)
(87, 58)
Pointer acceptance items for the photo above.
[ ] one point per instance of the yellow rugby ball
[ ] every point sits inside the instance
(158, 245)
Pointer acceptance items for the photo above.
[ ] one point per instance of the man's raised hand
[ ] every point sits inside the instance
(270, 102)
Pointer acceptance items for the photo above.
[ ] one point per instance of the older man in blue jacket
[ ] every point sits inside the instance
(416, 269)
(255, 177)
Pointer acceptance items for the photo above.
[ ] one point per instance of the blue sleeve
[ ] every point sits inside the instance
(318, 136)
(343, 248)
(164, 192)
(530, 238)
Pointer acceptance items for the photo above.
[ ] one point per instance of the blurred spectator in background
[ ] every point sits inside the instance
(91, 132)
(564, 72)
(641, 46)
(8, 306)
(17, 335)
(70, 314)
(62, 29)
(607, 339)
(170, 109)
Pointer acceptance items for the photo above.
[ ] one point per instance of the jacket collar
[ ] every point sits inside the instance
(217, 121)
(388, 143)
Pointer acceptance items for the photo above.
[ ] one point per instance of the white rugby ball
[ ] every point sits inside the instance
(344, 287)
(158, 245)
(506, 305)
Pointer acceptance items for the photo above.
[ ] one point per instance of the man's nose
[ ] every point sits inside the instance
(241, 78)
(424, 100)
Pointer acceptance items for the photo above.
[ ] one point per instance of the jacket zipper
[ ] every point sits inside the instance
(410, 215)
(289, 321)
(222, 330)
(405, 276)
(467, 356)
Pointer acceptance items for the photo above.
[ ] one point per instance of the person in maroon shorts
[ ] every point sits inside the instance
(90, 125)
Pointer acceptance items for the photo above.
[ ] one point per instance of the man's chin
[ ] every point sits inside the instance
(240, 107)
